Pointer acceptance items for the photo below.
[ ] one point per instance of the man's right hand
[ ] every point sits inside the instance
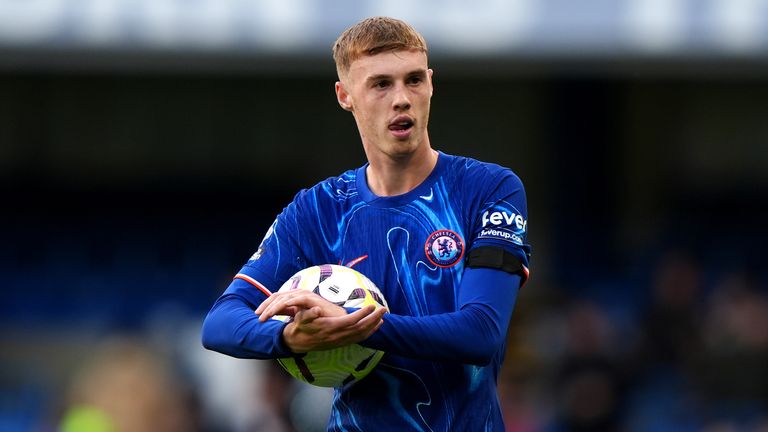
(317, 323)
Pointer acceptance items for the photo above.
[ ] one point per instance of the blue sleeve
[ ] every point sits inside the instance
(473, 334)
(502, 220)
(232, 328)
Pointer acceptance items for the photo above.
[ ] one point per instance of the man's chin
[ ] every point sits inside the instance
(404, 150)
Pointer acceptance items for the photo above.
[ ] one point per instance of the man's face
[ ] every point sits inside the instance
(389, 95)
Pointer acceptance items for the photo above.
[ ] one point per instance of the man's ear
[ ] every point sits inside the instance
(342, 96)
(431, 87)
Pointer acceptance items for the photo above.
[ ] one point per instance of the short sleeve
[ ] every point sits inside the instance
(502, 219)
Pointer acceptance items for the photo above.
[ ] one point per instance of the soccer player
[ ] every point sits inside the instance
(442, 236)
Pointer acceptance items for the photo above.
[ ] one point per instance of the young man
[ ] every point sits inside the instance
(442, 236)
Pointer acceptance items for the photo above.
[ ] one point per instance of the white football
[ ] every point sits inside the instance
(344, 365)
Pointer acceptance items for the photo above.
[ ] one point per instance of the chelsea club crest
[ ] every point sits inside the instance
(444, 248)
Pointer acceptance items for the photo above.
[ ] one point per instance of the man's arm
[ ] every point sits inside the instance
(473, 334)
(232, 327)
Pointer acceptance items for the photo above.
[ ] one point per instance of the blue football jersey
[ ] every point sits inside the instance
(412, 246)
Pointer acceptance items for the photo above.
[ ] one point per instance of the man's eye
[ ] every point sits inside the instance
(415, 80)
(381, 84)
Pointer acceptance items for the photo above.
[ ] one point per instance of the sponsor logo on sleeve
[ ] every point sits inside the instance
(503, 225)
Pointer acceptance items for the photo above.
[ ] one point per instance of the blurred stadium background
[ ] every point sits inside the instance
(146, 146)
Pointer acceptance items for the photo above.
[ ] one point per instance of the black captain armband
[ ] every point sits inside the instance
(497, 258)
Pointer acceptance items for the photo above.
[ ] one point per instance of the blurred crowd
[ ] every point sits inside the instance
(693, 357)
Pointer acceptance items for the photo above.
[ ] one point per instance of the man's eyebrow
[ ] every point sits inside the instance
(419, 72)
(377, 77)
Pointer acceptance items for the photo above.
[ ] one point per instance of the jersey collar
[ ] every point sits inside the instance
(423, 190)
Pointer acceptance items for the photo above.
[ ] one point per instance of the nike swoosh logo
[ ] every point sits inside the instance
(430, 196)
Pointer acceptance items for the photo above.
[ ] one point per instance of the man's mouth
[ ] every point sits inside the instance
(401, 126)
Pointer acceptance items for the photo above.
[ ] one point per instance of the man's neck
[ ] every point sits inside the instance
(390, 177)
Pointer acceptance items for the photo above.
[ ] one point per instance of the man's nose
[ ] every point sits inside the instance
(401, 101)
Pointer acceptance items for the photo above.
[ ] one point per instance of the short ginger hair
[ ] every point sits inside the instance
(372, 36)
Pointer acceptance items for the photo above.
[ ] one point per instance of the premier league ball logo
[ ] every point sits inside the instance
(444, 248)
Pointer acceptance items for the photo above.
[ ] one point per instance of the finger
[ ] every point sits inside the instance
(276, 303)
(355, 317)
(359, 330)
(279, 306)
(276, 297)
(269, 300)
(351, 325)
(265, 311)
(290, 303)
(308, 315)
(371, 321)
(260, 309)
(374, 329)
(282, 310)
